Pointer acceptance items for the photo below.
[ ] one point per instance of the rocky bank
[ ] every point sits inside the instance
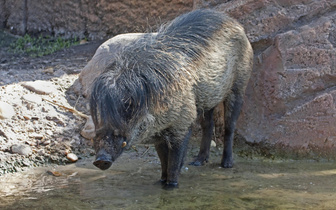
(290, 104)
(35, 126)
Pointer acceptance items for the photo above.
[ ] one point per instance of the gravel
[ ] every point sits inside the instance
(35, 126)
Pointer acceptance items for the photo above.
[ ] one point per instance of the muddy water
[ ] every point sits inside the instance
(129, 184)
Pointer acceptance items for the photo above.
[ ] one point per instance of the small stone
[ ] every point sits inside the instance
(31, 143)
(25, 163)
(213, 143)
(88, 131)
(47, 142)
(44, 109)
(83, 41)
(48, 70)
(32, 98)
(41, 152)
(6, 111)
(56, 120)
(36, 136)
(40, 87)
(72, 157)
(26, 117)
(30, 106)
(49, 132)
(54, 173)
(59, 73)
(30, 129)
(20, 117)
(9, 134)
(22, 149)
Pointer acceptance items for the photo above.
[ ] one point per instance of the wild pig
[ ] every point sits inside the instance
(161, 83)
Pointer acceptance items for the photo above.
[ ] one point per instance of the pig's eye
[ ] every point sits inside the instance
(124, 144)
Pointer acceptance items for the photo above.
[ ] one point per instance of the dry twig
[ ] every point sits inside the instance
(70, 109)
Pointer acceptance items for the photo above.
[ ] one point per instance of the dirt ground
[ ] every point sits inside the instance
(49, 131)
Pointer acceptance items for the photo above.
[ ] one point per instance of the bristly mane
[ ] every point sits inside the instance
(152, 67)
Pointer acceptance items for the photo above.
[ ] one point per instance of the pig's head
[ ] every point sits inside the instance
(108, 145)
(120, 103)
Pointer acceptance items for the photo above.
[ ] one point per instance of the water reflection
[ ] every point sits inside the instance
(129, 184)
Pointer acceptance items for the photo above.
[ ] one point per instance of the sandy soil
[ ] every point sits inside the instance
(48, 131)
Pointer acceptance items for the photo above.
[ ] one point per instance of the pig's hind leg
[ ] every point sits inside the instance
(233, 104)
(207, 125)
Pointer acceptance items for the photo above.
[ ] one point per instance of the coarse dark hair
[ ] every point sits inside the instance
(151, 68)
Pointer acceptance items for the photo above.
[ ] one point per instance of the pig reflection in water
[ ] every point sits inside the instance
(159, 84)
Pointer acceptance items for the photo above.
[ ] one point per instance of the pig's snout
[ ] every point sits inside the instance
(103, 160)
(103, 164)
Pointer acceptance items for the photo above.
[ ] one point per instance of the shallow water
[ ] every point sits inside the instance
(129, 184)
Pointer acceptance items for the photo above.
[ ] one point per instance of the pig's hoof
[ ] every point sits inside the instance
(199, 161)
(196, 163)
(161, 182)
(170, 185)
(227, 164)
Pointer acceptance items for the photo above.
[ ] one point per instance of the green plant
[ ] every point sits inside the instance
(40, 46)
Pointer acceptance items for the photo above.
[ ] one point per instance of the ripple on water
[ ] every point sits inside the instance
(129, 184)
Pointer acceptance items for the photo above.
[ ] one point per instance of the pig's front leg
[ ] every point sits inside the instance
(162, 150)
(171, 150)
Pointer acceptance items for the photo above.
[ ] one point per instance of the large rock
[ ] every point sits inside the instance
(40, 87)
(95, 19)
(290, 100)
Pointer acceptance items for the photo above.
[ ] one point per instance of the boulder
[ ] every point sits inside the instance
(290, 100)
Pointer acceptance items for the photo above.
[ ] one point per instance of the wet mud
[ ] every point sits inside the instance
(130, 184)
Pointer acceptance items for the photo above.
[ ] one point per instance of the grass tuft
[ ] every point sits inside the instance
(41, 46)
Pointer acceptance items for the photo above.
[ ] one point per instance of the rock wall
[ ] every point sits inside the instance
(291, 97)
(94, 19)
